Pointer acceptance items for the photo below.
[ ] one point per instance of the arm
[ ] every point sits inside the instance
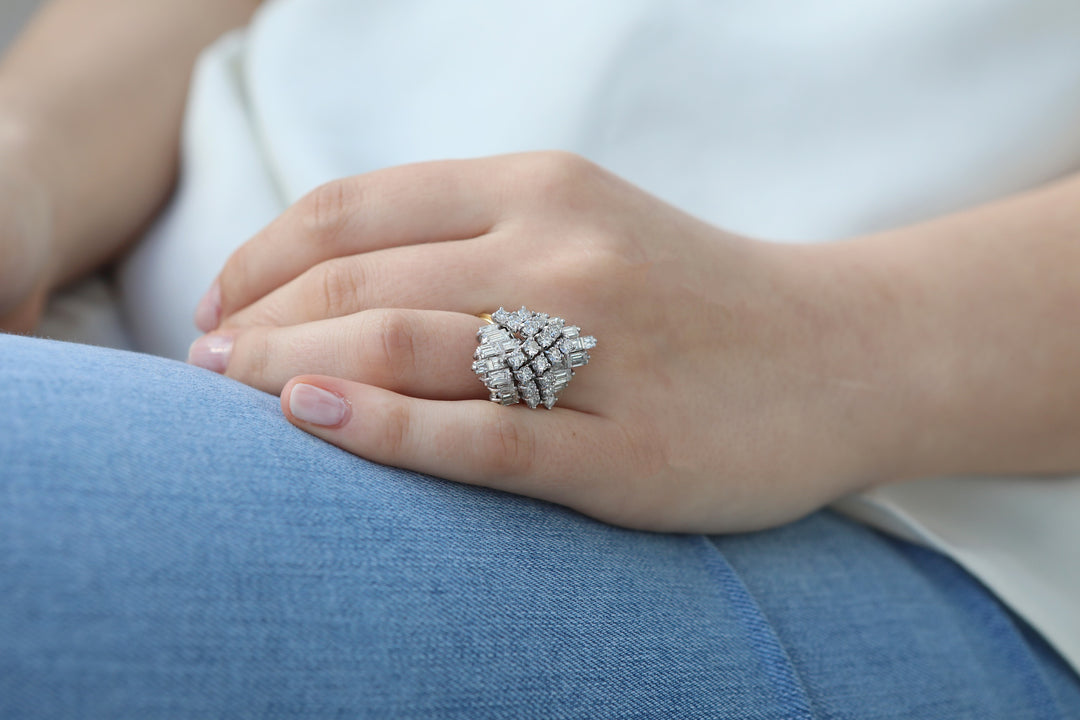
(91, 99)
(985, 319)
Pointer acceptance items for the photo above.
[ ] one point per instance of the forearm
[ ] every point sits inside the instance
(982, 313)
(92, 98)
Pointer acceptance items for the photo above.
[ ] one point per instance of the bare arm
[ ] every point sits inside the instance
(91, 99)
(982, 314)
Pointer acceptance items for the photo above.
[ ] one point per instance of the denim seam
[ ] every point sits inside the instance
(775, 661)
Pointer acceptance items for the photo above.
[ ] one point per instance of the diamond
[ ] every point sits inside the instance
(571, 331)
(533, 324)
(530, 394)
(540, 364)
(588, 342)
(549, 334)
(516, 359)
(579, 358)
(487, 350)
(500, 316)
(530, 347)
(555, 356)
(505, 396)
(492, 333)
(524, 375)
(486, 366)
(560, 378)
(514, 321)
(500, 377)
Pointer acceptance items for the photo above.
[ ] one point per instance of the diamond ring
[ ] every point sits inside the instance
(528, 357)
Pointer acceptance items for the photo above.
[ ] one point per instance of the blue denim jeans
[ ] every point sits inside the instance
(170, 547)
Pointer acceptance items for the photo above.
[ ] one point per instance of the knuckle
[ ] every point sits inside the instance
(563, 165)
(325, 211)
(559, 175)
(339, 285)
(249, 361)
(396, 429)
(392, 336)
(507, 446)
(234, 277)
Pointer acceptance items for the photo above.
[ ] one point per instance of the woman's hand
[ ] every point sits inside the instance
(736, 384)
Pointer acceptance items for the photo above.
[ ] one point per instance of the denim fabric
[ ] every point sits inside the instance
(170, 547)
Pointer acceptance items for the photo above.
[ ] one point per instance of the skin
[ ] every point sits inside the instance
(91, 102)
(738, 384)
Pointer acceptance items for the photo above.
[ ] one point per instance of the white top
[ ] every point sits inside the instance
(795, 121)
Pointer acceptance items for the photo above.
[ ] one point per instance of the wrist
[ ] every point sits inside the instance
(966, 319)
(877, 381)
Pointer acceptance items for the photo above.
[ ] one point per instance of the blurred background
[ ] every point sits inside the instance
(13, 14)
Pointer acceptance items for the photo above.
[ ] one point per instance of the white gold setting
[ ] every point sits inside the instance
(529, 357)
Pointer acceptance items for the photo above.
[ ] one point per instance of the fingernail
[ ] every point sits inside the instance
(211, 352)
(317, 406)
(208, 312)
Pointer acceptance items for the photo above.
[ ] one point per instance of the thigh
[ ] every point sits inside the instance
(171, 547)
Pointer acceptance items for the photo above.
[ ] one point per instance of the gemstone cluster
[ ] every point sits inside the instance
(529, 357)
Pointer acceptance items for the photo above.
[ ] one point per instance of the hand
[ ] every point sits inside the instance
(737, 384)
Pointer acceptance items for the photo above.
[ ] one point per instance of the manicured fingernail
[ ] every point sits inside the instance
(208, 312)
(317, 406)
(211, 352)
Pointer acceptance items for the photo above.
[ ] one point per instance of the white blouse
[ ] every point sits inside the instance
(795, 121)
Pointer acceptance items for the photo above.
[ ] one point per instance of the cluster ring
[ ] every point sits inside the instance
(528, 357)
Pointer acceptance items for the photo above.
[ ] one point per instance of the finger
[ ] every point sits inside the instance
(558, 455)
(422, 203)
(421, 353)
(424, 277)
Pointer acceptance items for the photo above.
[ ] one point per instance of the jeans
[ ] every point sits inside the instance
(170, 547)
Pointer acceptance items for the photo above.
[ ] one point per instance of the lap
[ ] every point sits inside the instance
(171, 547)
